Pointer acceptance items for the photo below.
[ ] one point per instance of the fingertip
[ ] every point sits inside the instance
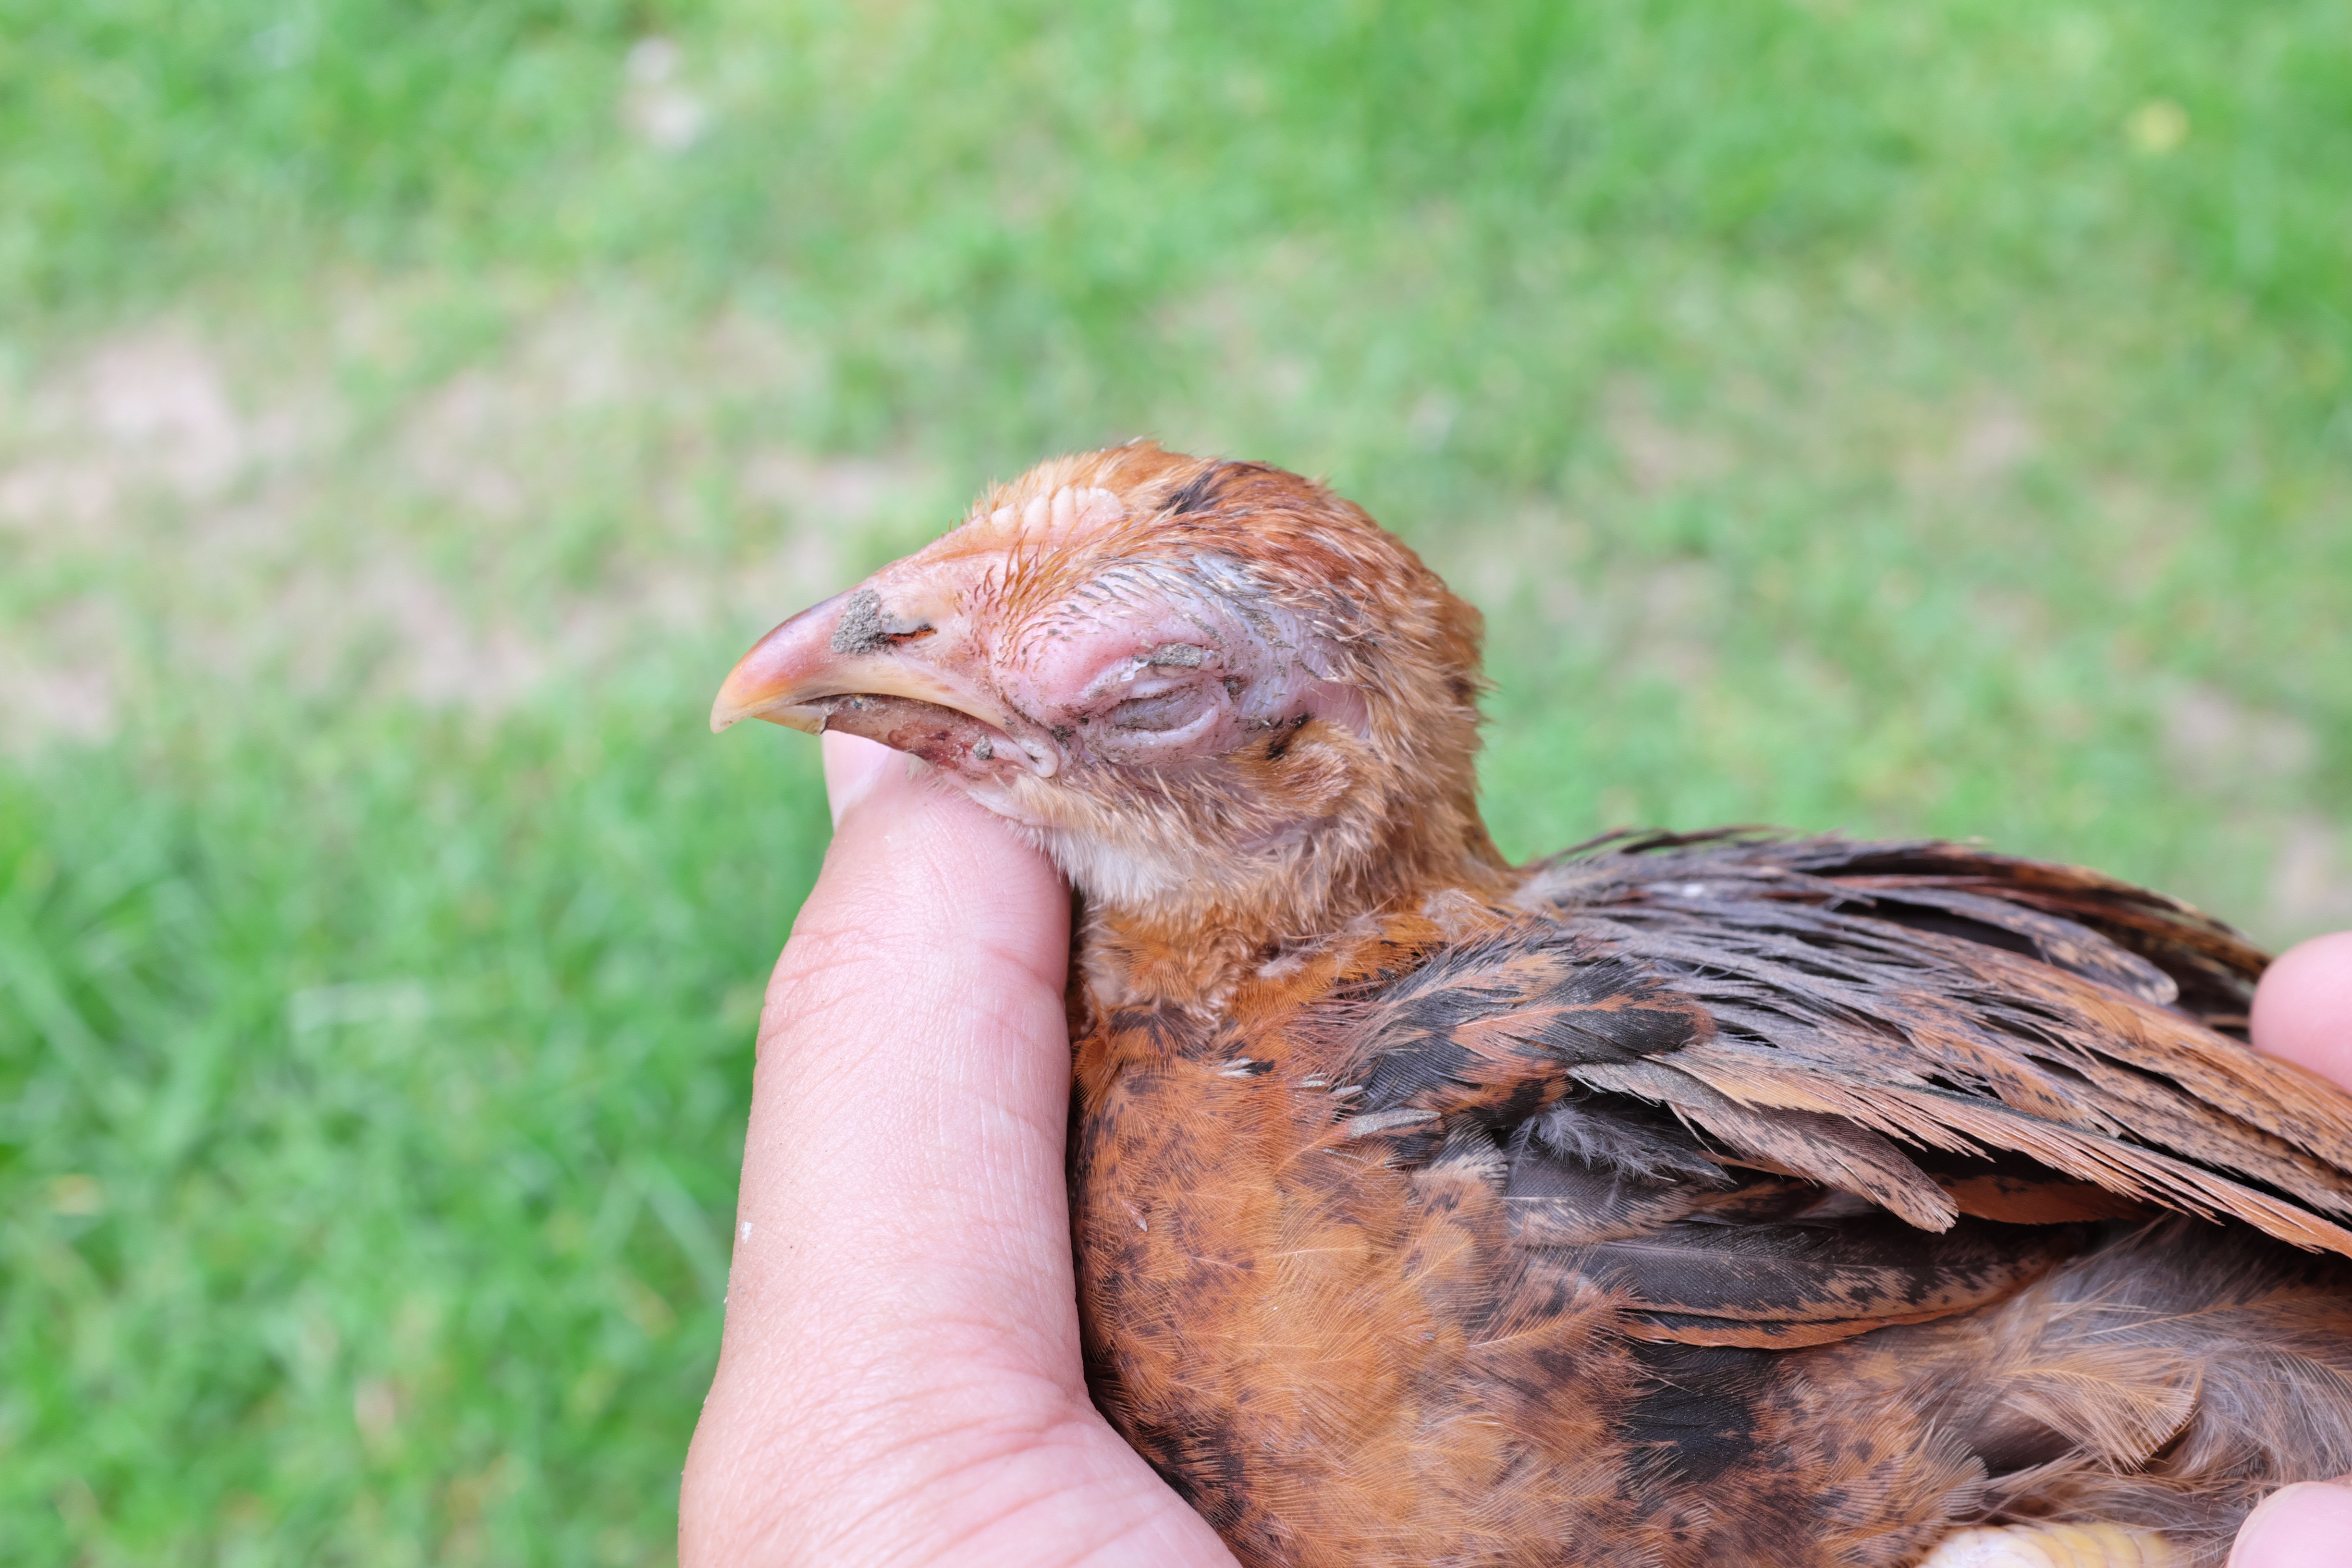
(918, 869)
(852, 765)
(2307, 1525)
(2303, 1008)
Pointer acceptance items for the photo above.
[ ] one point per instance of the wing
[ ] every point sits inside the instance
(2077, 919)
(1710, 1070)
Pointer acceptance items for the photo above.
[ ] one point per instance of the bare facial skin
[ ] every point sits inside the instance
(900, 1379)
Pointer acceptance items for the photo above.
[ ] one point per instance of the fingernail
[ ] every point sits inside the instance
(852, 765)
(2307, 1525)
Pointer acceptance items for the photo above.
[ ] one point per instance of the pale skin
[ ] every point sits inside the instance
(899, 1380)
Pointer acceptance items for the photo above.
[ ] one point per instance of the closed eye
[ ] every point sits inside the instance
(1167, 711)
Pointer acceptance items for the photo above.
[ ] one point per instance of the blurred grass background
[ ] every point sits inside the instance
(1922, 418)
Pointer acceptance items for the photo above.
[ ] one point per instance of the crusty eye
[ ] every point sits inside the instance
(1168, 711)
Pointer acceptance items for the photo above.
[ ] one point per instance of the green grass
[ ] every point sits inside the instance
(369, 1133)
(1920, 418)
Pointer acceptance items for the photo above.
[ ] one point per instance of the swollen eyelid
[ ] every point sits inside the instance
(1168, 711)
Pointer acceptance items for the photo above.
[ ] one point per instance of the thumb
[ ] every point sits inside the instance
(902, 1219)
(904, 1157)
(2309, 1525)
(2303, 1007)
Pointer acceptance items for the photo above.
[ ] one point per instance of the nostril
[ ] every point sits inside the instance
(864, 629)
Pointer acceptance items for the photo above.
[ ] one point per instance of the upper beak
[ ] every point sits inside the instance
(854, 644)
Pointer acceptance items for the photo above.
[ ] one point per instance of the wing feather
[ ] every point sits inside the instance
(1783, 1286)
(2034, 1009)
(1682, 1051)
(1959, 1123)
(1821, 1146)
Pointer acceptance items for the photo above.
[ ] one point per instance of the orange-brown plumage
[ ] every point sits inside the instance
(1721, 1198)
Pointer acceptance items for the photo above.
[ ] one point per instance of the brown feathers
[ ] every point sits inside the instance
(1717, 1099)
(1711, 1199)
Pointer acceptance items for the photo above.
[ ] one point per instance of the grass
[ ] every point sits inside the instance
(371, 1179)
(1928, 418)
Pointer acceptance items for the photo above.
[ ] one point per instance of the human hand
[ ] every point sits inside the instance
(900, 1380)
(2303, 1012)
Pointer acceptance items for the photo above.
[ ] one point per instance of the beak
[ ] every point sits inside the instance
(853, 645)
(897, 659)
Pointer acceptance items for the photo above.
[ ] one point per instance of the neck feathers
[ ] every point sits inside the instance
(1190, 940)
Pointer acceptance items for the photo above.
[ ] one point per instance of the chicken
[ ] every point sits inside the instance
(1680, 1199)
